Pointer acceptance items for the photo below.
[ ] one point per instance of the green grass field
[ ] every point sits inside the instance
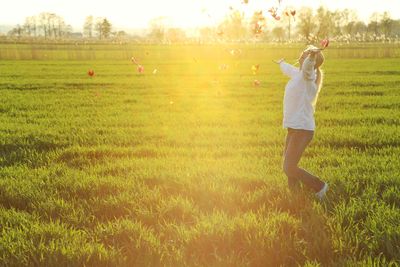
(184, 167)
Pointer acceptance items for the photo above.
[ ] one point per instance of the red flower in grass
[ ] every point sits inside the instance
(90, 73)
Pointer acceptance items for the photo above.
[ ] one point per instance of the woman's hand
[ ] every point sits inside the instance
(278, 61)
(313, 52)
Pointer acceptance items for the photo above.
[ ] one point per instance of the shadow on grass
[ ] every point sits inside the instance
(34, 152)
(83, 157)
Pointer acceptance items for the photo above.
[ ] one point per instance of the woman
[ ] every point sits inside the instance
(301, 95)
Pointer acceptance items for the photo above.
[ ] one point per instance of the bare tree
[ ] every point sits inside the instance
(62, 27)
(50, 26)
(17, 31)
(27, 27)
(99, 27)
(42, 24)
(33, 25)
(88, 27)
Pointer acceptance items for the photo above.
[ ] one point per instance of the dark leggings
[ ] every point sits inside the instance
(296, 142)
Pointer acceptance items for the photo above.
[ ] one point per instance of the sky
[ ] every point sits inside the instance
(178, 13)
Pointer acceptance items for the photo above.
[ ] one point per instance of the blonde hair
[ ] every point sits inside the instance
(320, 75)
(319, 60)
(318, 63)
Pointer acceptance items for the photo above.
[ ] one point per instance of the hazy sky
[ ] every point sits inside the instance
(181, 13)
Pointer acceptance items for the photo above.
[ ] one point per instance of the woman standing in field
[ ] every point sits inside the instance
(301, 95)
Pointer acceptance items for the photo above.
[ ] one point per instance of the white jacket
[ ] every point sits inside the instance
(300, 94)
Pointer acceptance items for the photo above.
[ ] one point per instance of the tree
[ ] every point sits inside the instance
(396, 28)
(157, 29)
(60, 28)
(279, 33)
(386, 24)
(175, 35)
(30, 26)
(336, 24)
(360, 29)
(306, 25)
(373, 25)
(99, 27)
(325, 23)
(49, 25)
(88, 27)
(106, 28)
(103, 28)
(349, 18)
(52, 25)
(257, 23)
(233, 26)
(120, 34)
(43, 24)
(206, 34)
(17, 31)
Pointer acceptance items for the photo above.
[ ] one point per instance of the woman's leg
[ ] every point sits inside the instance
(293, 182)
(298, 142)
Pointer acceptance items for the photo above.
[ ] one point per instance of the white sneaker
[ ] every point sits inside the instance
(322, 192)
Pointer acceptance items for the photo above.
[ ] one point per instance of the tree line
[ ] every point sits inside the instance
(48, 25)
(306, 24)
(344, 25)
(52, 26)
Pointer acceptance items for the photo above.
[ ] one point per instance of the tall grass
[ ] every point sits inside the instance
(183, 168)
(82, 51)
